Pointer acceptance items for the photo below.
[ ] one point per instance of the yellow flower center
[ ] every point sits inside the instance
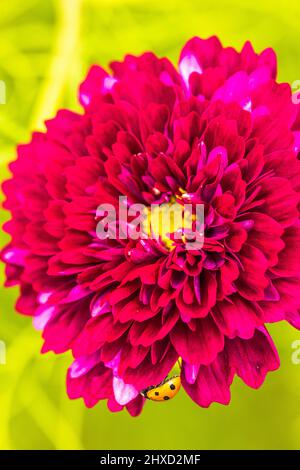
(162, 220)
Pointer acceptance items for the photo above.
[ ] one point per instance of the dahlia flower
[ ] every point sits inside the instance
(222, 132)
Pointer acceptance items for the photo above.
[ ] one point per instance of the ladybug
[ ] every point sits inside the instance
(166, 390)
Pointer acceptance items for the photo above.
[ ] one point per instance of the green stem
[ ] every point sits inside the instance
(68, 13)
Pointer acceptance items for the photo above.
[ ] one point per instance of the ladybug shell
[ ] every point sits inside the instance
(165, 391)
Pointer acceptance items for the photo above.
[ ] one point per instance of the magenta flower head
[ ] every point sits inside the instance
(217, 132)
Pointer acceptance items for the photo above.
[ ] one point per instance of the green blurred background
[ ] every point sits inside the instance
(46, 48)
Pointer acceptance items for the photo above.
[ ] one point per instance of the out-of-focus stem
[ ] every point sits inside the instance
(68, 14)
